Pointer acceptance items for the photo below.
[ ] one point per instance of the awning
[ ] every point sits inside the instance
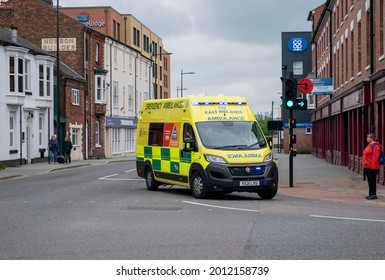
(62, 119)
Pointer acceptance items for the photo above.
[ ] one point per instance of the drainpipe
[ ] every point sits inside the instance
(372, 123)
(136, 58)
(125, 30)
(21, 135)
(111, 86)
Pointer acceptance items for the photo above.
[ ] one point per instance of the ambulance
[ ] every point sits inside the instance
(209, 144)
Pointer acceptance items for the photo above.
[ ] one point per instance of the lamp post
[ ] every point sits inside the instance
(181, 80)
(58, 75)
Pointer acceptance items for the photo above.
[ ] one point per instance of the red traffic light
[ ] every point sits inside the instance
(293, 139)
(292, 123)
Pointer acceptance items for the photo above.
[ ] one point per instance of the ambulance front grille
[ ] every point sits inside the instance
(247, 170)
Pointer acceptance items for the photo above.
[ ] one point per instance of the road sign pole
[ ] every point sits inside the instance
(290, 150)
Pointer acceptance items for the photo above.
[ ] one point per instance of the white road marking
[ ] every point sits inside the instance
(108, 177)
(222, 207)
(131, 170)
(347, 218)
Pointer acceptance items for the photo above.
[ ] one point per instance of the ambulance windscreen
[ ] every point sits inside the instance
(228, 135)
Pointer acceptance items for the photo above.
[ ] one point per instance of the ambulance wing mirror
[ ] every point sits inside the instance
(189, 145)
(269, 140)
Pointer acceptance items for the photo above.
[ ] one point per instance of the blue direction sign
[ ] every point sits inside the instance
(322, 86)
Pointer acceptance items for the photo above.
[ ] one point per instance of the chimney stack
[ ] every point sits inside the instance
(14, 33)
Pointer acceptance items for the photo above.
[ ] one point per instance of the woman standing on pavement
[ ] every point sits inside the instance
(371, 164)
(67, 147)
(53, 149)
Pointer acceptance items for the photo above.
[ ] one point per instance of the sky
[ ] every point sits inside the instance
(233, 47)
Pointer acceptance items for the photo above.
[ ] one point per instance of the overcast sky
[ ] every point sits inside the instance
(234, 47)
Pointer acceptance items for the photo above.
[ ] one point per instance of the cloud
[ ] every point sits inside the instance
(234, 47)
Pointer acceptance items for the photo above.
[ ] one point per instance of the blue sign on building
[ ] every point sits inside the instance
(323, 86)
(121, 122)
(299, 124)
(297, 44)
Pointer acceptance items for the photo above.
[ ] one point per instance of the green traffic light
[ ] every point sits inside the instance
(289, 103)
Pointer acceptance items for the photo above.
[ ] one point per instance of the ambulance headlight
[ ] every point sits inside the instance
(268, 158)
(215, 159)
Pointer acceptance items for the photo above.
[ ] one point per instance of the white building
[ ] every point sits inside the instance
(127, 86)
(26, 100)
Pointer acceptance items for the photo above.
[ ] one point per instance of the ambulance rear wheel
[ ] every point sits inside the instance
(151, 183)
(197, 185)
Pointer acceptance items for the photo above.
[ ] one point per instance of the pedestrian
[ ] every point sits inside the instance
(371, 164)
(53, 149)
(67, 147)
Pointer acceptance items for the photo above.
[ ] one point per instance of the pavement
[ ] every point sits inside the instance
(313, 178)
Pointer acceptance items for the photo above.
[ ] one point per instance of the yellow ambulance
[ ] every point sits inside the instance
(210, 144)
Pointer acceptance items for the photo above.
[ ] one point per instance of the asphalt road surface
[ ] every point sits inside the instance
(105, 212)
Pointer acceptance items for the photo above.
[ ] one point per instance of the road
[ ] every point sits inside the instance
(105, 212)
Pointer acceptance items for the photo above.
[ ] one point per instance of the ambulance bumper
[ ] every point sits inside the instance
(248, 178)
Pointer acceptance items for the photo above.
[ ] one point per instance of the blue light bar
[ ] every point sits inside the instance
(197, 103)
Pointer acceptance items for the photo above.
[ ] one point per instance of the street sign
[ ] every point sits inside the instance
(274, 125)
(322, 86)
(305, 85)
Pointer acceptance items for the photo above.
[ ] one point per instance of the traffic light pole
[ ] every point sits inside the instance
(290, 150)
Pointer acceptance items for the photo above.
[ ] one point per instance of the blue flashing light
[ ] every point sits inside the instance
(258, 168)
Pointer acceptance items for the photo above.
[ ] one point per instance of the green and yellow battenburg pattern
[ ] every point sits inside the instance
(169, 160)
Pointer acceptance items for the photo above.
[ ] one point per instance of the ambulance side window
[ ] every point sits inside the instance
(188, 131)
(155, 135)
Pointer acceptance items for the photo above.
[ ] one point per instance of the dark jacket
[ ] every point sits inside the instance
(53, 145)
(67, 146)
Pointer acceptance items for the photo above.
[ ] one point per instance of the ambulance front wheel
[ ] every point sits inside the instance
(151, 183)
(268, 194)
(197, 185)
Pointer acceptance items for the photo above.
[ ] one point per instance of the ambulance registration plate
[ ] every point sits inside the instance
(248, 183)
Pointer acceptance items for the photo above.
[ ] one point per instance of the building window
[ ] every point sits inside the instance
(16, 74)
(48, 81)
(75, 96)
(116, 57)
(97, 134)
(118, 31)
(75, 136)
(100, 89)
(308, 130)
(297, 68)
(45, 80)
(41, 129)
(114, 29)
(136, 37)
(115, 97)
(115, 140)
(130, 98)
(27, 77)
(12, 85)
(129, 140)
(12, 129)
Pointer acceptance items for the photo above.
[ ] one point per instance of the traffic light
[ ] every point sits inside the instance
(293, 139)
(290, 93)
(292, 123)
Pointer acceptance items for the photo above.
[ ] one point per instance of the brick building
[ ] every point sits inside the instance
(137, 70)
(82, 54)
(349, 46)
